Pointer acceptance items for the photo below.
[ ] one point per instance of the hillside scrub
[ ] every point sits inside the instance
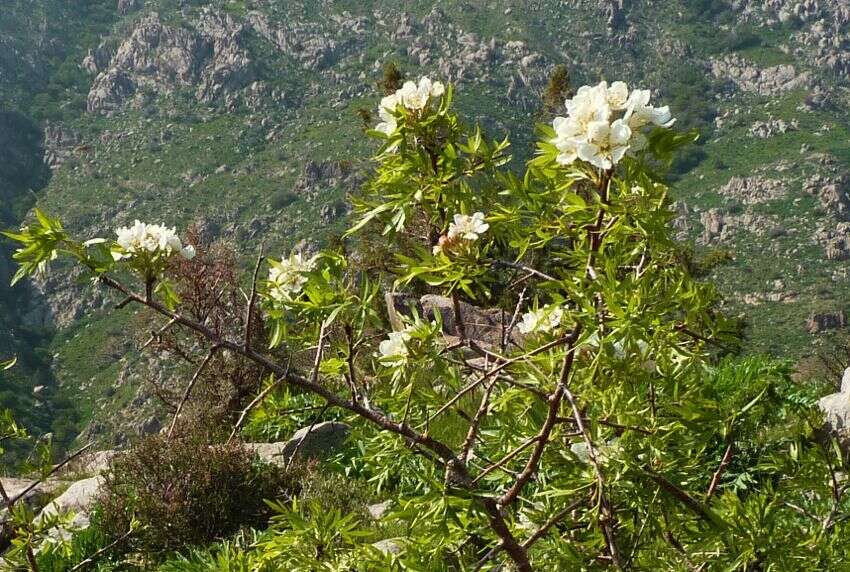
(591, 425)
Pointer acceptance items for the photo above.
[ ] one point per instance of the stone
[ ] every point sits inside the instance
(77, 499)
(378, 510)
(90, 464)
(322, 441)
(480, 324)
(823, 321)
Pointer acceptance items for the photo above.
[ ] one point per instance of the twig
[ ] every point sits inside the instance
(501, 462)
(256, 401)
(253, 299)
(52, 471)
(492, 372)
(523, 267)
(466, 449)
(556, 518)
(189, 388)
(682, 496)
(551, 416)
(93, 558)
(606, 514)
(157, 335)
(300, 443)
(715, 479)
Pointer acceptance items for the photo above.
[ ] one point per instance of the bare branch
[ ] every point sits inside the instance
(249, 319)
(189, 388)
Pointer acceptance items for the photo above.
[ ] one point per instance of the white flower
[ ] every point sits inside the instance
(150, 238)
(394, 348)
(618, 95)
(468, 227)
(606, 144)
(287, 276)
(639, 113)
(386, 111)
(604, 123)
(415, 97)
(543, 319)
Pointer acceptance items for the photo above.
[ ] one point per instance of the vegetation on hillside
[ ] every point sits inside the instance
(597, 424)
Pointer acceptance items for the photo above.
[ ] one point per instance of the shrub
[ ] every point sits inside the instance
(187, 492)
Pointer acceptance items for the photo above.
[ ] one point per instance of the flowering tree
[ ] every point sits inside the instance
(586, 433)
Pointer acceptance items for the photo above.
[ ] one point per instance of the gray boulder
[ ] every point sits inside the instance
(78, 498)
(836, 410)
(319, 443)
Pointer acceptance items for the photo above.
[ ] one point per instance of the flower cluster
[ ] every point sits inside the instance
(542, 320)
(151, 239)
(604, 122)
(287, 277)
(464, 228)
(411, 96)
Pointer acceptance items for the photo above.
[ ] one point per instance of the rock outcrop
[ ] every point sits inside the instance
(747, 77)
(157, 58)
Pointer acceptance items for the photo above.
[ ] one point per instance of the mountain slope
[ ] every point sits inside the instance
(243, 117)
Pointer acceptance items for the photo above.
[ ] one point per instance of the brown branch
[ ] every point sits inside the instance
(466, 449)
(715, 479)
(545, 431)
(189, 388)
(249, 319)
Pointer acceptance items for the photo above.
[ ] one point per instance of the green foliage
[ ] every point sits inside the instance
(185, 492)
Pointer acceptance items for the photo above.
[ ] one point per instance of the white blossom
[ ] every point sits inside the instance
(604, 123)
(467, 227)
(287, 276)
(544, 319)
(415, 97)
(386, 111)
(411, 96)
(394, 348)
(152, 239)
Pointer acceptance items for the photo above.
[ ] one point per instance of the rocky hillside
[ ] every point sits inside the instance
(243, 117)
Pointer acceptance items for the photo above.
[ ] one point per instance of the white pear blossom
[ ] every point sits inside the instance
(152, 239)
(287, 276)
(415, 97)
(545, 319)
(411, 96)
(467, 227)
(388, 123)
(604, 123)
(394, 348)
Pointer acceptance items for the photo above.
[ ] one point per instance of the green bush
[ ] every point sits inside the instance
(187, 492)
